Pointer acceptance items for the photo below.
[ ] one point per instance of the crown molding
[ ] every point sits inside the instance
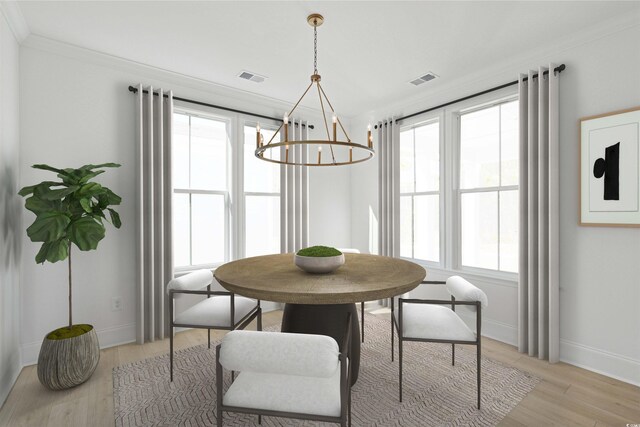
(503, 71)
(239, 98)
(15, 19)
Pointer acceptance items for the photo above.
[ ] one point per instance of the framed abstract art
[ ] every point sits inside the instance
(610, 169)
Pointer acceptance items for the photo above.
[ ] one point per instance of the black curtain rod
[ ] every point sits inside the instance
(191, 101)
(558, 69)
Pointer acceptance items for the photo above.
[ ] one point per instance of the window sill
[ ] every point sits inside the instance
(498, 278)
(181, 271)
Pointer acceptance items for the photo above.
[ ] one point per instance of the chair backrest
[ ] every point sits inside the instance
(464, 291)
(280, 353)
(191, 282)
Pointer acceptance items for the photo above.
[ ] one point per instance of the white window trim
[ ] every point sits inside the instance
(450, 214)
(235, 202)
(435, 117)
(264, 124)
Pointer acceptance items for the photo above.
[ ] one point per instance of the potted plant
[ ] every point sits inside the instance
(319, 259)
(69, 212)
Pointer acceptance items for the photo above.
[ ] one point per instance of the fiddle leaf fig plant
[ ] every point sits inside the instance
(70, 211)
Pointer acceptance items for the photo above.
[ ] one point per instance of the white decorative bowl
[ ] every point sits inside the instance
(318, 265)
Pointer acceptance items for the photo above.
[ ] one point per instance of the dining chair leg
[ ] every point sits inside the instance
(453, 355)
(233, 376)
(171, 353)
(362, 315)
(349, 406)
(479, 363)
(259, 319)
(209, 338)
(392, 327)
(219, 418)
(400, 366)
(259, 419)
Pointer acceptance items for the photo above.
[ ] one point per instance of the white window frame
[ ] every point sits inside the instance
(458, 192)
(264, 124)
(234, 196)
(450, 213)
(228, 194)
(437, 117)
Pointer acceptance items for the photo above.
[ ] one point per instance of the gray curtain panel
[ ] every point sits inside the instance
(539, 278)
(155, 257)
(388, 152)
(294, 192)
(388, 188)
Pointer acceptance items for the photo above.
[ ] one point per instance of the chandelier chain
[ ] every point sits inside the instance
(315, 48)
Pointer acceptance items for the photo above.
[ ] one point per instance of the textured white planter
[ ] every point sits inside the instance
(318, 265)
(68, 362)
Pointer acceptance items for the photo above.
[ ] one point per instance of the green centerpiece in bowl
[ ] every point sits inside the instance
(318, 259)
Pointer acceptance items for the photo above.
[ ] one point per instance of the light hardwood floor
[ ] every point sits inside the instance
(566, 396)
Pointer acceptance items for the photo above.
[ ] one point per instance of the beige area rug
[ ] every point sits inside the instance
(435, 393)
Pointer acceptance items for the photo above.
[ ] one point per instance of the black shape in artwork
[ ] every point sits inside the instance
(610, 168)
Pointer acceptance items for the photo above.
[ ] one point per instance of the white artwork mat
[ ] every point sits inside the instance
(596, 135)
(599, 140)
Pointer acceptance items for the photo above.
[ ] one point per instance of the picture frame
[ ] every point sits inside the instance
(610, 169)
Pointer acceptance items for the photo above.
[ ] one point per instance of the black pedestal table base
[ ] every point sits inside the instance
(325, 319)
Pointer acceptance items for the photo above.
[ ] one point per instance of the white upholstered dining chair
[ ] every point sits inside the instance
(290, 375)
(220, 310)
(437, 321)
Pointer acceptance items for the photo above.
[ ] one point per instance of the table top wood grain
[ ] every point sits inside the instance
(362, 278)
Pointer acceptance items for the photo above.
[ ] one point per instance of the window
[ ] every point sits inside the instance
(200, 157)
(420, 192)
(261, 198)
(488, 188)
(458, 178)
(226, 203)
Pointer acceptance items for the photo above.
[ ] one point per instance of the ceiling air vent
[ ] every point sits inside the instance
(247, 75)
(423, 79)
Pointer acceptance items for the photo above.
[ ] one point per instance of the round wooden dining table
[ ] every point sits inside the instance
(319, 303)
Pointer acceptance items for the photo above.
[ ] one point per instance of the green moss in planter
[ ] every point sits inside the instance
(319, 251)
(65, 332)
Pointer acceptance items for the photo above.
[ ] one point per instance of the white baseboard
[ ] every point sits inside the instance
(9, 378)
(108, 337)
(493, 329)
(603, 362)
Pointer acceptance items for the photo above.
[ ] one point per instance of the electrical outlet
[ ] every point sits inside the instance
(116, 304)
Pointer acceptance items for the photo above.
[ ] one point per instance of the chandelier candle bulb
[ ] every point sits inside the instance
(335, 129)
(258, 136)
(369, 137)
(286, 128)
(319, 154)
(350, 154)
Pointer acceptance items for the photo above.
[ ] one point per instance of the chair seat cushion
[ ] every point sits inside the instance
(288, 393)
(215, 311)
(430, 321)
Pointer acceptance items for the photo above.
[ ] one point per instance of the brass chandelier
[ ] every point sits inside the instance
(336, 157)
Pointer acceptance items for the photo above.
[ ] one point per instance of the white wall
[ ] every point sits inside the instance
(600, 268)
(10, 208)
(76, 109)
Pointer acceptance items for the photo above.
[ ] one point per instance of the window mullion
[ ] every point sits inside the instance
(190, 231)
(413, 224)
(499, 175)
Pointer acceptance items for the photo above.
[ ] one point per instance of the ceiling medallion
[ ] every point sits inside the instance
(336, 157)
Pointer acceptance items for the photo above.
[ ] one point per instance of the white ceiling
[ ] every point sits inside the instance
(368, 51)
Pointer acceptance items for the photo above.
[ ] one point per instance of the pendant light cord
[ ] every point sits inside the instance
(315, 47)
